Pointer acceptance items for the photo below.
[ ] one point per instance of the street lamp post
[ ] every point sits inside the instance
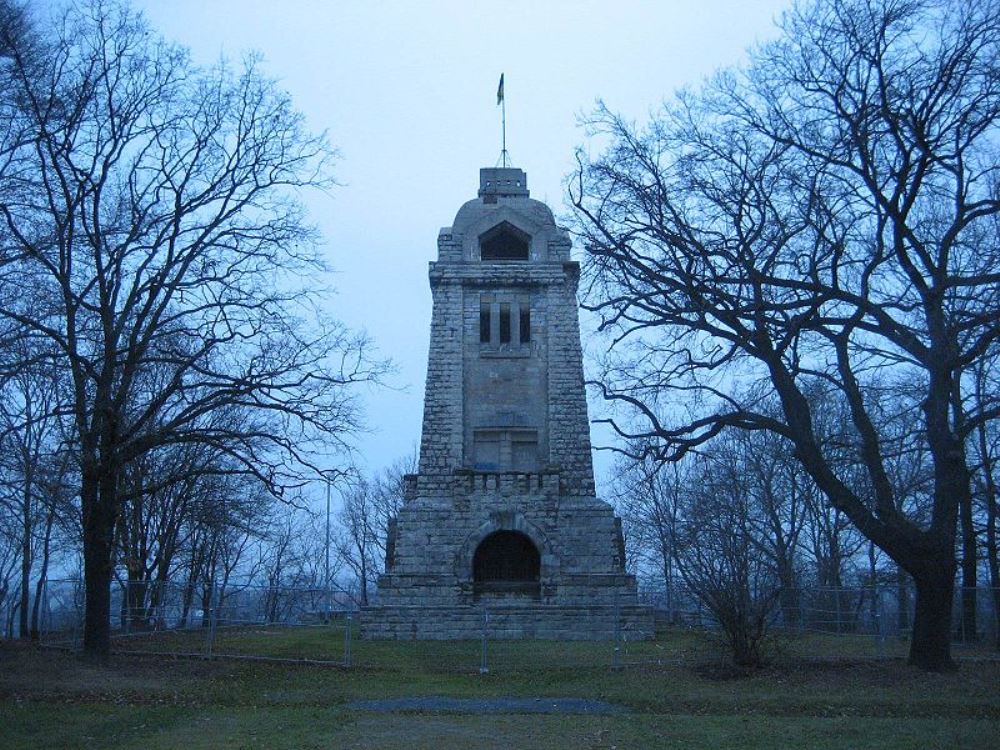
(326, 563)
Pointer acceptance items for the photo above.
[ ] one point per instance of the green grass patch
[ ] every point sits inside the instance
(28, 727)
(817, 693)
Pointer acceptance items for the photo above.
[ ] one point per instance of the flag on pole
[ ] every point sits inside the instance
(500, 90)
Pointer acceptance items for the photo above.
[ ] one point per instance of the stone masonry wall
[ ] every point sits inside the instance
(511, 622)
(441, 437)
(506, 389)
(569, 445)
(437, 537)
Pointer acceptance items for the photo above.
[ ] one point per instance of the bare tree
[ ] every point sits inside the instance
(721, 557)
(281, 558)
(365, 536)
(228, 522)
(825, 218)
(155, 229)
(987, 450)
(357, 539)
(34, 463)
(780, 493)
(388, 496)
(163, 493)
(648, 496)
(10, 543)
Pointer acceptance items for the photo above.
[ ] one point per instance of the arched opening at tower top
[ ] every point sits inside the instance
(507, 562)
(504, 242)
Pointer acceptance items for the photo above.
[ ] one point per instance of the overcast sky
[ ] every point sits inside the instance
(407, 93)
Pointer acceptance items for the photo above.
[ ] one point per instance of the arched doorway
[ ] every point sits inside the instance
(506, 562)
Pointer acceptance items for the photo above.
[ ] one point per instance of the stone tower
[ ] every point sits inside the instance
(502, 515)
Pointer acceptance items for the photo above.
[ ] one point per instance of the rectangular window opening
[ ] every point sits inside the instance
(484, 323)
(487, 451)
(524, 454)
(506, 450)
(525, 325)
(505, 323)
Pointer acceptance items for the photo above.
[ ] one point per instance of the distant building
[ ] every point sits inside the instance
(502, 515)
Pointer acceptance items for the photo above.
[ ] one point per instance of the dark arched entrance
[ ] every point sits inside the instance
(506, 562)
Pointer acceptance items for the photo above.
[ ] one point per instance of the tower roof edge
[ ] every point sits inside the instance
(503, 182)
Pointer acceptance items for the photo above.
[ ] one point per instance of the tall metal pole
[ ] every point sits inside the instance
(483, 667)
(502, 101)
(503, 121)
(616, 654)
(213, 618)
(347, 640)
(326, 564)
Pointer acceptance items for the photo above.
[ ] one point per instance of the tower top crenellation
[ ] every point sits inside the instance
(503, 182)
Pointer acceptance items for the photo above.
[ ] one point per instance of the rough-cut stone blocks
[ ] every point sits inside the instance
(501, 523)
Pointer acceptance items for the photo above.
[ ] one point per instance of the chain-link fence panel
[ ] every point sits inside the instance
(322, 625)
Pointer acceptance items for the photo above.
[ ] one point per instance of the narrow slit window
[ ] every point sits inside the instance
(484, 323)
(525, 325)
(505, 323)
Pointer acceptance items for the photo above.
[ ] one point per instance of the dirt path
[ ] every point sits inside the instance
(489, 705)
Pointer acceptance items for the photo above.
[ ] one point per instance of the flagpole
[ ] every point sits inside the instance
(503, 121)
(502, 101)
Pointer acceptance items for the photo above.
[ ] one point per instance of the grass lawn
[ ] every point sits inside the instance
(818, 693)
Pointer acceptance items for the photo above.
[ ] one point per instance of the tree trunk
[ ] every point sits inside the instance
(990, 500)
(98, 548)
(11, 617)
(206, 602)
(97, 586)
(364, 581)
(26, 548)
(930, 646)
(186, 604)
(136, 589)
(873, 590)
(25, 571)
(192, 580)
(789, 597)
(902, 601)
(36, 632)
(994, 566)
(157, 596)
(993, 562)
(668, 578)
(969, 632)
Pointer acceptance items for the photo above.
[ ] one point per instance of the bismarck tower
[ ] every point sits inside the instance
(502, 516)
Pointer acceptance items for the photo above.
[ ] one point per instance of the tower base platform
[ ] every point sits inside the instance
(507, 622)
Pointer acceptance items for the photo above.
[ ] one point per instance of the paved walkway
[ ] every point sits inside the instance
(489, 705)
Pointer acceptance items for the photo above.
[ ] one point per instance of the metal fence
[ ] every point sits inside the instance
(880, 611)
(141, 610)
(322, 626)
